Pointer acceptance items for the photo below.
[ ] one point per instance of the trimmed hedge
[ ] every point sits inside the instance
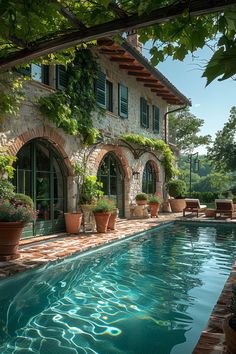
(206, 197)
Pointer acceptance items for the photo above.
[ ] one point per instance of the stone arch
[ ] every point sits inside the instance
(97, 156)
(151, 158)
(156, 164)
(47, 133)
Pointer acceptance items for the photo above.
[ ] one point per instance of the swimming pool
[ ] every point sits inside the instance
(149, 294)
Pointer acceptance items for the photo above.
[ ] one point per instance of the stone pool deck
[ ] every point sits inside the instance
(41, 250)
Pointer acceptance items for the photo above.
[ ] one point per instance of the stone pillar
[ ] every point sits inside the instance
(71, 193)
(159, 190)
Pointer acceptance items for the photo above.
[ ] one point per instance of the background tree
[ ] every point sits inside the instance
(206, 179)
(222, 153)
(28, 26)
(184, 128)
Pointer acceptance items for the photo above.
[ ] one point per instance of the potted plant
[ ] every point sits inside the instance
(229, 325)
(141, 199)
(154, 203)
(102, 212)
(89, 192)
(13, 218)
(73, 219)
(177, 190)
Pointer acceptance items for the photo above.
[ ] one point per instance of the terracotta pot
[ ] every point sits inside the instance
(177, 205)
(230, 334)
(10, 233)
(112, 220)
(154, 208)
(141, 202)
(102, 220)
(73, 222)
(166, 207)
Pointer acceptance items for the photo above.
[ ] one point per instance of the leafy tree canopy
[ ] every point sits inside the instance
(184, 129)
(222, 153)
(26, 24)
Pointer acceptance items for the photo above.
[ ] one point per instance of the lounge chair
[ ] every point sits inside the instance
(193, 205)
(225, 207)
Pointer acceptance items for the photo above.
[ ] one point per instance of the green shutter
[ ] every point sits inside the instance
(24, 70)
(62, 77)
(101, 89)
(144, 111)
(156, 119)
(123, 101)
(109, 96)
(147, 116)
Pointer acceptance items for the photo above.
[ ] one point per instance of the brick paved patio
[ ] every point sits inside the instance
(38, 251)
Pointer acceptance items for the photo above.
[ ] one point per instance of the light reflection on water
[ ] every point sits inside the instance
(150, 294)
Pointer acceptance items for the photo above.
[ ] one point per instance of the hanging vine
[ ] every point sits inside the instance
(11, 94)
(72, 108)
(158, 145)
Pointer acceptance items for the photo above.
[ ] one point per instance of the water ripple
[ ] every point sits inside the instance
(151, 294)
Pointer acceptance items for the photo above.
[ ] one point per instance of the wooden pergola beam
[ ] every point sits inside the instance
(111, 28)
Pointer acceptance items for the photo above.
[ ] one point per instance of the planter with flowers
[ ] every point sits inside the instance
(141, 199)
(102, 212)
(154, 203)
(13, 218)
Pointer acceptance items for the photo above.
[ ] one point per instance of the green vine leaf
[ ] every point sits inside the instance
(72, 108)
(157, 145)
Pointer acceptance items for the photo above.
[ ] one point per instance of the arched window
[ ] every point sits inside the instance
(149, 179)
(40, 173)
(111, 174)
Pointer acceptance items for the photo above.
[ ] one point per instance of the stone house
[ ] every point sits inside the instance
(135, 97)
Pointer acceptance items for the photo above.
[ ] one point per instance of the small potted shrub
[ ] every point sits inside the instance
(229, 325)
(154, 203)
(177, 191)
(141, 199)
(13, 218)
(102, 212)
(90, 191)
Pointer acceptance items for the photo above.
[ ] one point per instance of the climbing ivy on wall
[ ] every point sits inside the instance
(72, 108)
(157, 145)
(11, 94)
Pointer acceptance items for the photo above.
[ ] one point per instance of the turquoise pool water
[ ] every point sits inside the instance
(150, 294)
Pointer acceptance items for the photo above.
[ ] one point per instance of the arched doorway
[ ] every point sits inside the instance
(149, 179)
(111, 174)
(40, 173)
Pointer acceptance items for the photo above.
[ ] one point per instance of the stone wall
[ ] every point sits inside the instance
(112, 124)
(31, 124)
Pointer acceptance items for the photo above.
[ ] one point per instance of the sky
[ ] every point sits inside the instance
(211, 103)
